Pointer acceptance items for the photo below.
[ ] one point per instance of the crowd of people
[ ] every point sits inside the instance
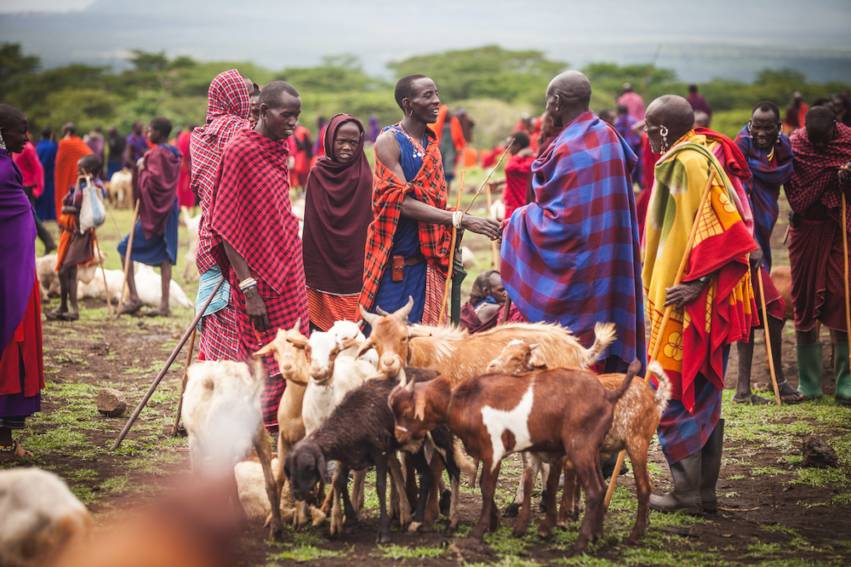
(678, 268)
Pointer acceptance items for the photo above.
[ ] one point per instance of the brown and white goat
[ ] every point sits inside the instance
(634, 424)
(565, 412)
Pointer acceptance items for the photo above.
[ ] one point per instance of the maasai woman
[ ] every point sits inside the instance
(337, 214)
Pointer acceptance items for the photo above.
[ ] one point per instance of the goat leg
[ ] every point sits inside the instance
(638, 458)
(348, 508)
(359, 477)
(569, 511)
(338, 486)
(528, 476)
(487, 484)
(264, 454)
(426, 485)
(398, 486)
(545, 529)
(453, 502)
(381, 489)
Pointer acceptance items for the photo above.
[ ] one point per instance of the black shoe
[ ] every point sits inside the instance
(685, 497)
(710, 467)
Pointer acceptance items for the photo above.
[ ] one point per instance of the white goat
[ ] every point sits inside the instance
(147, 284)
(39, 516)
(190, 270)
(221, 413)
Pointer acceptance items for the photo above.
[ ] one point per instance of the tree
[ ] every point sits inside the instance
(148, 61)
(13, 66)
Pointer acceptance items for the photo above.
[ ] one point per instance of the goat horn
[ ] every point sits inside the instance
(410, 384)
(370, 318)
(381, 312)
(297, 325)
(404, 311)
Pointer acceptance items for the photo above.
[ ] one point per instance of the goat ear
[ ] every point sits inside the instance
(370, 318)
(416, 331)
(419, 404)
(269, 348)
(364, 347)
(409, 384)
(348, 343)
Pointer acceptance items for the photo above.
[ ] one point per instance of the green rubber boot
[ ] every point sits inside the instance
(842, 372)
(809, 370)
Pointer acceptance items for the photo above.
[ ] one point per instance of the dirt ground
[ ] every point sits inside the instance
(773, 511)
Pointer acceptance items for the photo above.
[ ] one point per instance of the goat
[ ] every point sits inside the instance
(39, 516)
(147, 283)
(566, 412)
(221, 413)
(634, 424)
(358, 434)
(120, 189)
(190, 270)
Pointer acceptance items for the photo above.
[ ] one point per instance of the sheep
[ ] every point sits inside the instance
(190, 270)
(358, 434)
(120, 188)
(147, 284)
(221, 413)
(39, 517)
(566, 412)
(634, 424)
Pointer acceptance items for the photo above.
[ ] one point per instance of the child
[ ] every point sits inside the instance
(75, 248)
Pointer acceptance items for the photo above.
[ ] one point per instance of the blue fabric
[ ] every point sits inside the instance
(45, 208)
(157, 249)
(113, 167)
(207, 283)
(406, 242)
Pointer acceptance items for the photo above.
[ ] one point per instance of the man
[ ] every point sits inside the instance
(32, 174)
(632, 101)
(487, 298)
(137, 145)
(155, 233)
(71, 149)
(712, 306)
(769, 156)
(251, 216)
(407, 246)
(699, 104)
(626, 126)
(822, 174)
(21, 364)
(572, 256)
(115, 144)
(518, 173)
(229, 107)
(796, 113)
(46, 149)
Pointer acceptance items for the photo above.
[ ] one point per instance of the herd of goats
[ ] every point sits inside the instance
(403, 401)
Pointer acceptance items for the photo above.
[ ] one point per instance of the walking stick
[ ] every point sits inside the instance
(127, 258)
(189, 330)
(488, 176)
(768, 337)
(494, 250)
(189, 354)
(451, 254)
(845, 271)
(102, 271)
(666, 316)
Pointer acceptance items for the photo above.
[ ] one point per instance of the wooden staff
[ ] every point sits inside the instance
(768, 337)
(102, 271)
(488, 176)
(189, 354)
(666, 316)
(127, 260)
(451, 254)
(494, 250)
(168, 364)
(845, 271)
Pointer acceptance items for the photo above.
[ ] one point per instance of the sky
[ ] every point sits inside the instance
(700, 40)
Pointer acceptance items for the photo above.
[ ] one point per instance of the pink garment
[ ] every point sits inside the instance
(634, 104)
(32, 172)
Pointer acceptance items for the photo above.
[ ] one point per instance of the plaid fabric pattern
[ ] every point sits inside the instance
(573, 256)
(388, 192)
(815, 179)
(219, 339)
(683, 432)
(228, 106)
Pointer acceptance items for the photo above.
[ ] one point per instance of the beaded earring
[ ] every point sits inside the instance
(663, 131)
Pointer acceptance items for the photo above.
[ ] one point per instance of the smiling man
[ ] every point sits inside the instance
(407, 248)
(252, 219)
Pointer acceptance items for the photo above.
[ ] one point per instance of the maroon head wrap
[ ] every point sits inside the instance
(337, 212)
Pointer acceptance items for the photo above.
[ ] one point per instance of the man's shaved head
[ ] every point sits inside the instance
(270, 94)
(571, 85)
(10, 116)
(821, 125)
(671, 113)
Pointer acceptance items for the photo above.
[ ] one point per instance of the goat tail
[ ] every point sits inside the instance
(604, 335)
(614, 395)
(258, 373)
(462, 459)
(663, 390)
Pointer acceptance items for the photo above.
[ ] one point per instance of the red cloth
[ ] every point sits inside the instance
(304, 148)
(815, 178)
(325, 308)
(71, 149)
(26, 345)
(184, 193)
(336, 216)
(32, 173)
(518, 176)
(157, 186)
(429, 187)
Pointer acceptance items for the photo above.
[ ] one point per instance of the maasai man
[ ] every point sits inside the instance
(303, 155)
(796, 113)
(137, 145)
(769, 155)
(252, 217)
(184, 194)
(337, 212)
(626, 126)
(115, 144)
(46, 150)
(632, 101)
(698, 103)
(487, 297)
(715, 291)
(407, 249)
(32, 174)
(228, 111)
(572, 256)
(71, 149)
(822, 164)
(518, 173)
(155, 236)
(21, 364)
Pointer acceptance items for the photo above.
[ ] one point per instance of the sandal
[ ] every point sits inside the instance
(789, 395)
(753, 399)
(15, 451)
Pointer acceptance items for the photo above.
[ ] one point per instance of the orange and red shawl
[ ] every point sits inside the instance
(71, 149)
(388, 192)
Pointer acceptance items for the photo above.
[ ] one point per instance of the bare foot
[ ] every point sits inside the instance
(130, 308)
(69, 316)
(56, 315)
(157, 312)
(15, 451)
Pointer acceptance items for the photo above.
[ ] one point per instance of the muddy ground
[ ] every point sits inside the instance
(773, 510)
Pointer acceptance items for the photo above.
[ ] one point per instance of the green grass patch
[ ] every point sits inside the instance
(821, 477)
(402, 552)
(302, 554)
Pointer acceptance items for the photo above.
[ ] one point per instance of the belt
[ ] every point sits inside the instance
(414, 260)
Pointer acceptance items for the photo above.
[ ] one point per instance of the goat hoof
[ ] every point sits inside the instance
(511, 510)
(414, 527)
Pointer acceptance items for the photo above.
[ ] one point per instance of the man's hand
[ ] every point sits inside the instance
(845, 173)
(479, 225)
(682, 294)
(756, 258)
(256, 309)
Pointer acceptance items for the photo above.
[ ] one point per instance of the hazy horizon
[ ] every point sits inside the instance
(730, 39)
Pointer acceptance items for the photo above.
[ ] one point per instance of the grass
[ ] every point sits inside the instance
(403, 552)
(302, 554)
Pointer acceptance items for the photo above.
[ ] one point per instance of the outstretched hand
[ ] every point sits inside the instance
(479, 225)
(681, 295)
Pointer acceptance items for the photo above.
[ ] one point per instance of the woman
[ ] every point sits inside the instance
(337, 213)
(21, 363)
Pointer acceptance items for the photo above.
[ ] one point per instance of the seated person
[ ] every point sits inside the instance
(487, 297)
